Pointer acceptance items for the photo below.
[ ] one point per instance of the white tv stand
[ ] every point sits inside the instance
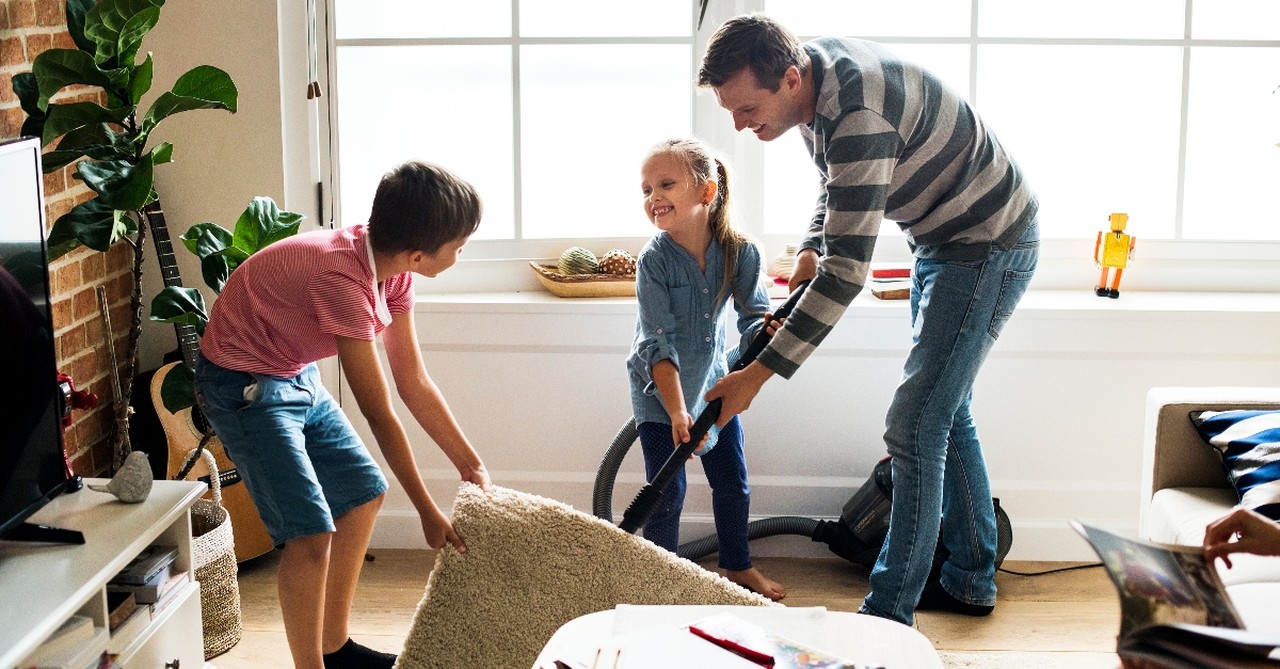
(42, 585)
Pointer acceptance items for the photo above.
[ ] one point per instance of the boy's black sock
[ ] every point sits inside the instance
(354, 656)
(936, 598)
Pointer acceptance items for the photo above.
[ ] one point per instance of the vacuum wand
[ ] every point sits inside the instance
(646, 501)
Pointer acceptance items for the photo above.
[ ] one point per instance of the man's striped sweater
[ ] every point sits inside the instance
(892, 142)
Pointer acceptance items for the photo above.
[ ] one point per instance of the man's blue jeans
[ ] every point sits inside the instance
(939, 474)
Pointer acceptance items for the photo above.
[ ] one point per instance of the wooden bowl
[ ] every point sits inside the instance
(584, 285)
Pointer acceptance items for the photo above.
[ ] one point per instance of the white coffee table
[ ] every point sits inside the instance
(636, 631)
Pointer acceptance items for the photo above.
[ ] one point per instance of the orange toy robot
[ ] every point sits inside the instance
(1112, 249)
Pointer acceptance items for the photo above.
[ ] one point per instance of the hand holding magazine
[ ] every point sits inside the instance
(1174, 611)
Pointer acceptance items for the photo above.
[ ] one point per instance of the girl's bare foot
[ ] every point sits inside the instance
(754, 581)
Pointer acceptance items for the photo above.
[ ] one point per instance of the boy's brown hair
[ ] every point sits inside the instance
(421, 206)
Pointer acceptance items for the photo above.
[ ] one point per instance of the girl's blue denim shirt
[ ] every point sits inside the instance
(680, 320)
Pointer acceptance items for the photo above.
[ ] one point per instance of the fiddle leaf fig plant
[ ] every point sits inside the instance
(220, 251)
(109, 139)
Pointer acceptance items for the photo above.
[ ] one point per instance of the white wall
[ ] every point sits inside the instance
(538, 384)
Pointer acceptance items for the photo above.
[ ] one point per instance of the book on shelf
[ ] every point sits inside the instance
(146, 565)
(129, 630)
(1175, 612)
(82, 655)
(120, 605)
(896, 289)
(173, 590)
(151, 591)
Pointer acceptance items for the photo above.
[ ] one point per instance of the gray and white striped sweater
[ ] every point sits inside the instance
(892, 142)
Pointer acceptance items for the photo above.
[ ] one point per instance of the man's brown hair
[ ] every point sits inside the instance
(755, 41)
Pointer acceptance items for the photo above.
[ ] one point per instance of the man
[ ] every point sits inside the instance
(891, 142)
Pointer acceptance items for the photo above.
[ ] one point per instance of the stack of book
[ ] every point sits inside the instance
(150, 579)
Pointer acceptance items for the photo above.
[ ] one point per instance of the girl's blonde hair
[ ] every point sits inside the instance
(706, 168)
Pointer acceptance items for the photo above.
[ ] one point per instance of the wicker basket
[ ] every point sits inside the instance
(584, 285)
(213, 557)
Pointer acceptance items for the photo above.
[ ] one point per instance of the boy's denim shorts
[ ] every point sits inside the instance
(302, 462)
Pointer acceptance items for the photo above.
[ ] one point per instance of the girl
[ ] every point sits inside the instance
(685, 277)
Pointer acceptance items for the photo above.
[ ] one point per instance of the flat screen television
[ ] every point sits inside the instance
(33, 467)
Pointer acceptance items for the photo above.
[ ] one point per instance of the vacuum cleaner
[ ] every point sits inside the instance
(857, 536)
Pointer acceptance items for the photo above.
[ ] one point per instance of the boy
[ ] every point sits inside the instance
(315, 484)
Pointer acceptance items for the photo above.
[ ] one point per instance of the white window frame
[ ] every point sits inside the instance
(1066, 264)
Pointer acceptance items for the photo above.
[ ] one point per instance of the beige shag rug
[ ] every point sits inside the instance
(533, 564)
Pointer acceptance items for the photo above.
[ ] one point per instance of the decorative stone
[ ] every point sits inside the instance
(618, 262)
(577, 260)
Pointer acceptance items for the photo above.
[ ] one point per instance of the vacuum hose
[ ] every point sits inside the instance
(646, 501)
(856, 537)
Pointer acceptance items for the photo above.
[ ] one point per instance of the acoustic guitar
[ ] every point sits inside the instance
(184, 432)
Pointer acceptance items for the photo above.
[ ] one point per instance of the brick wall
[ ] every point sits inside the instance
(27, 28)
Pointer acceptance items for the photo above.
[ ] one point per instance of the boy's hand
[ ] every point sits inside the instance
(438, 531)
(479, 476)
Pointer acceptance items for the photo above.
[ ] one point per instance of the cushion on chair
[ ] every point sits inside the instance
(1249, 442)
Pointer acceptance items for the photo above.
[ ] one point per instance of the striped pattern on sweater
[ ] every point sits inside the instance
(891, 142)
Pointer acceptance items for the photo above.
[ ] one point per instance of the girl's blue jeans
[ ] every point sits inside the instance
(940, 481)
(726, 470)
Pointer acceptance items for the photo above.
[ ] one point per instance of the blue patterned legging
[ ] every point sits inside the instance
(726, 471)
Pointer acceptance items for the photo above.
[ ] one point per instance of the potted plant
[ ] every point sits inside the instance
(220, 251)
(111, 141)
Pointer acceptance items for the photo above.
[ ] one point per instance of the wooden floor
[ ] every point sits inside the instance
(1064, 620)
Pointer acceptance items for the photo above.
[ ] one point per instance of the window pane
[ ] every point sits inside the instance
(790, 177)
(1145, 19)
(1094, 128)
(1235, 19)
(1233, 161)
(902, 18)
(402, 103)
(588, 18)
(589, 115)
(421, 18)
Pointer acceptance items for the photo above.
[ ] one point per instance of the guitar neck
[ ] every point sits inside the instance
(188, 340)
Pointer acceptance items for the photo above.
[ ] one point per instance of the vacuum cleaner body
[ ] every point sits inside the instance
(864, 523)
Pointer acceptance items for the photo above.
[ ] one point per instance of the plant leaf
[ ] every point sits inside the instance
(119, 183)
(216, 267)
(63, 118)
(140, 81)
(203, 239)
(92, 223)
(108, 25)
(132, 33)
(178, 390)
(76, 11)
(162, 153)
(176, 304)
(28, 92)
(262, 224)
(89, 140)
(57, 68)
(203, 87)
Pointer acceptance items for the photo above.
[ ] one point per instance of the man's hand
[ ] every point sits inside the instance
(806, 268)
(736, 390)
